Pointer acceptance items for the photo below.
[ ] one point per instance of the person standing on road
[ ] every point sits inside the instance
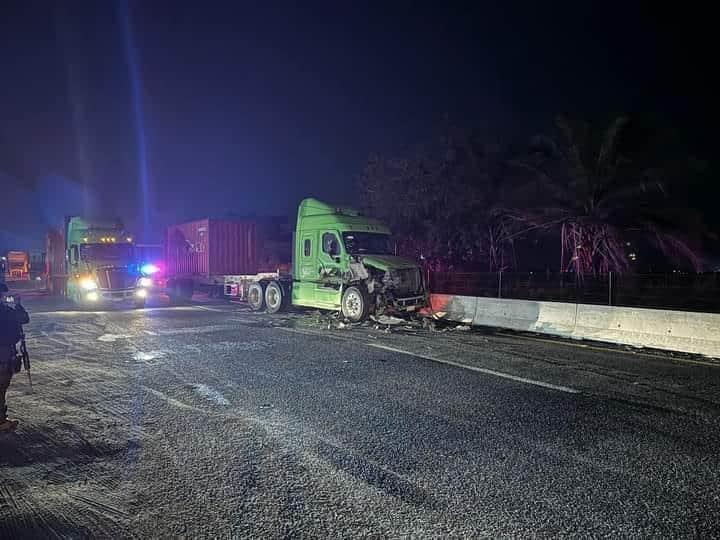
(12, 317)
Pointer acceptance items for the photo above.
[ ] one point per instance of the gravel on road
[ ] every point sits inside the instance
(213, 421)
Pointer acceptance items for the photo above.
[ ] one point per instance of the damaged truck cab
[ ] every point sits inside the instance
(342, 261)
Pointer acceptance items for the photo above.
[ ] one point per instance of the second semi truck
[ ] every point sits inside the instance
(93, 262)
(17, 265)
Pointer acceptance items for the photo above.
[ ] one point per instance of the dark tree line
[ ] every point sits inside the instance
(581, 194)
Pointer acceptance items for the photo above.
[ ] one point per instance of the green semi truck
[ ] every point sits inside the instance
(93, 262)
(342, 261)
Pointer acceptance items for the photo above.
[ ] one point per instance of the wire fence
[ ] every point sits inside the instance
(679, 291)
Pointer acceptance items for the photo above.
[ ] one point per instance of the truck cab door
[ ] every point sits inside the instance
(303, 292)
(328, 288)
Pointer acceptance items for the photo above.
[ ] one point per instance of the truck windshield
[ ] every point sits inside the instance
(148, 253)
(363, 242)
(106, 252)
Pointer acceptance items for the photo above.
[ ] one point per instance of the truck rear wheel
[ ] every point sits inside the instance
(355, 304)
(275, 297)
(256, 296)
(186, 287)
(173, 292)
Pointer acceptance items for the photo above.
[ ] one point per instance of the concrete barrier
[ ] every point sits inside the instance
(547, 317)
(697, 333)
(684, 331)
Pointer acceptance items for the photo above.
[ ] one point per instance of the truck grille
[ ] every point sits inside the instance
(115, 279)
(409, 281)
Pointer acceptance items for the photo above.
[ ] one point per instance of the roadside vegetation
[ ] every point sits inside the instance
(584, 199)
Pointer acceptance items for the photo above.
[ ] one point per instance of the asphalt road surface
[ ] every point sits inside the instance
(211, 421)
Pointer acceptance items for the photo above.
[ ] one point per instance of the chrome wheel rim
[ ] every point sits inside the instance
(272, 297)
(254, 297)
(353, 304)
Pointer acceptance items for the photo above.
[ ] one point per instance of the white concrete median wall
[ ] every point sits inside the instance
(697, 333)
(658, 328)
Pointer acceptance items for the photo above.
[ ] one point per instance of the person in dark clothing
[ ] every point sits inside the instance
(12, 317)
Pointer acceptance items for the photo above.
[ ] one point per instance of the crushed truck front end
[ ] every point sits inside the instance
(396, 282)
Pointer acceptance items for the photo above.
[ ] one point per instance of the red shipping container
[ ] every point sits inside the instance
(55, 262)
(55, 253)
(211, 247)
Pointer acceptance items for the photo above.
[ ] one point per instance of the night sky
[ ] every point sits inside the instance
(243, 108)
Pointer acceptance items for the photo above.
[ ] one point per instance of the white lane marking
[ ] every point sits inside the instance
(111, 338)
(478, 369)
(147, 356)
(197, 329)
(433, 359)
(206, 308)
(210, 394)
(174, 331)
(172, 401)
(83, 312)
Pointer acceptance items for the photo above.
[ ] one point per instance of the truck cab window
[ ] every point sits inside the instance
(306, 248)
(330, 244)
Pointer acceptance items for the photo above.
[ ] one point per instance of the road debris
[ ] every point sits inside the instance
(210, 394)
(388, 320)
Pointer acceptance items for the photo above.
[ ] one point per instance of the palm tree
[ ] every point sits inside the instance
(594, 190)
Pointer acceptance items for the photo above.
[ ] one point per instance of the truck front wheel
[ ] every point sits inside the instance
(275, 297)
(355, 304)
(256, 296)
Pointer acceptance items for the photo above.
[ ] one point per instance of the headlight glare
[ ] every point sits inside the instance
(88, 284)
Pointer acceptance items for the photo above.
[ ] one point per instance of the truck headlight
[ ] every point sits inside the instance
(144, 282)
(88, 284)
(92, 296)
(141, 293)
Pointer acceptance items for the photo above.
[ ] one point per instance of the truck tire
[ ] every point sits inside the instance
(275, 297)
(256, 296)
(186, 288)
(355, 304)
(140, 304)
